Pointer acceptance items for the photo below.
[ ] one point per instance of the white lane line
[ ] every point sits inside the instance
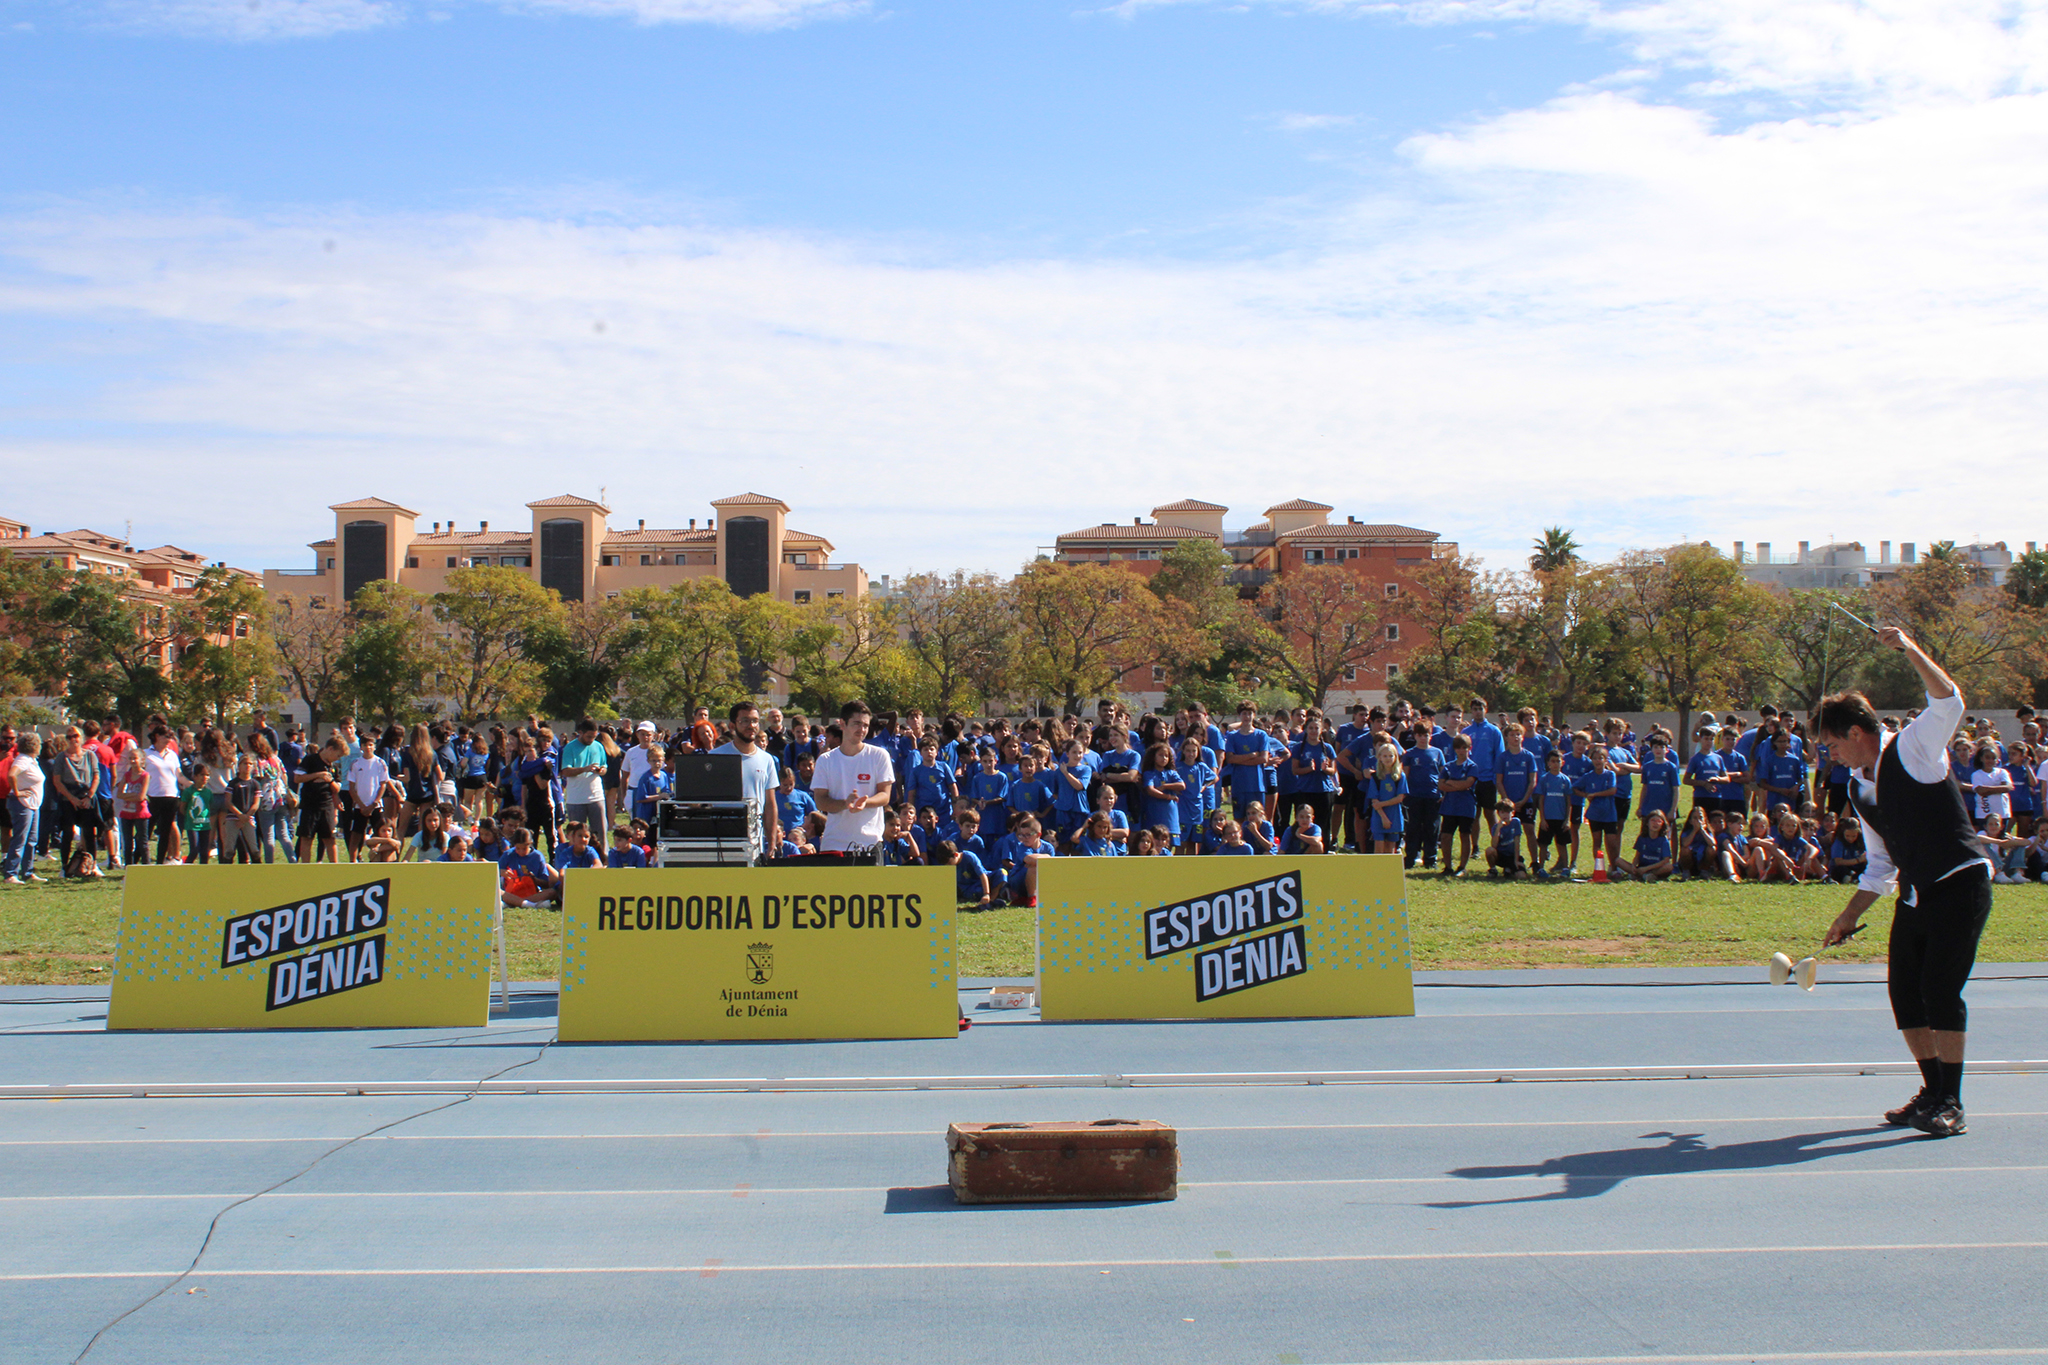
(1075, 1081)
(1658, 1121)
(1109, 1263)
(725, 1191)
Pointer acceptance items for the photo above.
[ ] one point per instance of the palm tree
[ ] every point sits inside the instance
(1555, 548)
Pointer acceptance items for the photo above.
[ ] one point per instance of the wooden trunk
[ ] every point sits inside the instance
(1047, 1163)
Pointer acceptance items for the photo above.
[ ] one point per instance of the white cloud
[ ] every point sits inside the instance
(1604, 312)
(1308, 123)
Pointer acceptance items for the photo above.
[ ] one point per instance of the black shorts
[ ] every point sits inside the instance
(1459, 824)
(1933, 946)
(1487, 794)
(316, 820)
(356, 822)
(1526, 813)
(1605, 826)
(1559, 834)
(1621, 804)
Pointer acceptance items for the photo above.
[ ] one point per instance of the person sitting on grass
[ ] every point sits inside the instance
(1119, 823)
(1163, 842)
(1554, 813)
(1848, 855)
(1095, 841)
(970, 878)
(1695, 846)
(524, 877)
(572, 852)
(1026, 848)
(1767, 861)
(1304, 835)
(1504, 856)
(1653, 849)
(1233, 844)
(2008, 853)
(1799, 850)
(1731, 846)
(381, 846)
(624, 852)
(1257, 829)
(458, 849)
(969, 839)
(898, 848)
(1140, 844)
(430, 845)
(490, 846)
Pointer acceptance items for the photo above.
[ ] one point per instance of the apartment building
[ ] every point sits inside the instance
(1296, 536)
(570, 546)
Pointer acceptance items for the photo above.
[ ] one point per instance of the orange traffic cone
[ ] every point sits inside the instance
(1599, 864)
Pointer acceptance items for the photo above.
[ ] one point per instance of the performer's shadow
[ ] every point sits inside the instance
(1588, 1174)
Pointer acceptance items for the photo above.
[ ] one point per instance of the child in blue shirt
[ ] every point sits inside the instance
(1703, 774)
(1196, 796)
(1304, 835)
(898, 848)
(1030, 793)
(1070, 782)
(654, 785)
(1601, 788)
(1095, 840)
(1233, 844)
(1458, 788)
(1554, 811)
(1022, 852)
(1504, 855)
(1660, 781)
(1734, 788)
(1160, 789)
(1246, 755)
(970, 878)
(793, 809)
(969, 839)
(624, 852)
(931, 784)
(1386, 793)
(523, 862)
(985, 791)
(1653, 847)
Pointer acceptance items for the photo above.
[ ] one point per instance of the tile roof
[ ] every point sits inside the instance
(1351, 530)
(1111, 531)
(370, 505)
(1189, 505)
(1299, 505)
(750, 500)
(661, 536)
(470, 538)
(568, 500)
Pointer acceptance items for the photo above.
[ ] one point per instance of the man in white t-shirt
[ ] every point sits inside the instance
(367, 778)
(758, 778)
(851, 785)
(634, 765)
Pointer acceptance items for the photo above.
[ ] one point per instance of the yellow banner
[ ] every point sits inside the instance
(312, 945)
(702, 953)
(1223, 938)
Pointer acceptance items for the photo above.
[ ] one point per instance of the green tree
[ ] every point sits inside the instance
(104, 651)
(485, 614)
(392, 656)
(1451, 606)
(961, 629)
(581, 654)
(1980, 635)
(1313, 625)
(829, 649)
(1567, 634)
(1081, 628)
(1695, 622)
(1201, 615)
(311, 640)
(228, 664)
(1554, 549)
(1814, 648)
(689, 648)
(2027, 581)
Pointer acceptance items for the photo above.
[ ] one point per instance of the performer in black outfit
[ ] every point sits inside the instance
(1923, 846)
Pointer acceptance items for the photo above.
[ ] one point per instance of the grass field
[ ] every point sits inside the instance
(64, 932)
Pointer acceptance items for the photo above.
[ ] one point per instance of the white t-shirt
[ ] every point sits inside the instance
(631, 769)
(367, 775)
(28, 781)
(839, 775)
(1993, 802)
(163, 771)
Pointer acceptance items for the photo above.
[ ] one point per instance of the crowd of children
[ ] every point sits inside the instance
(1760, 802)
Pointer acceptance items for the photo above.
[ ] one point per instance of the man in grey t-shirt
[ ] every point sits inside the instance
(757, 773)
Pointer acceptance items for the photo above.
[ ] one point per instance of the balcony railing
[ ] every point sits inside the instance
(299, 573)
(814, 564)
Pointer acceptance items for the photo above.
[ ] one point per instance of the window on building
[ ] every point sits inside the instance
(1393, 670)
(241, 627)
(451, 561)
(317, 603)
(1311, 556)
(1393, 632)
(1393, 589)
(330, 563)
(412, 561)
(835, 596)
(1350, 631)
(798, 558)
(645, 560)
(1146, 554)
(1351, 553)
(803, 595)
(608, 561)
(1350, 675)
(516, 561)
(1158, 674)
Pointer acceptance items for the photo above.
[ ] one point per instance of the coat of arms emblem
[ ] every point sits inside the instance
(760, 963)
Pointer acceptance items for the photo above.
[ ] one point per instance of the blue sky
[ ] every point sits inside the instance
(952, 279)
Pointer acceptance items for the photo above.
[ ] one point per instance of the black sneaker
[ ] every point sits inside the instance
(1910, 1110)
(1943, 1119)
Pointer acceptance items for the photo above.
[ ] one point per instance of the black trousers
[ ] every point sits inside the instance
(1423, 832)
(1933, 948)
